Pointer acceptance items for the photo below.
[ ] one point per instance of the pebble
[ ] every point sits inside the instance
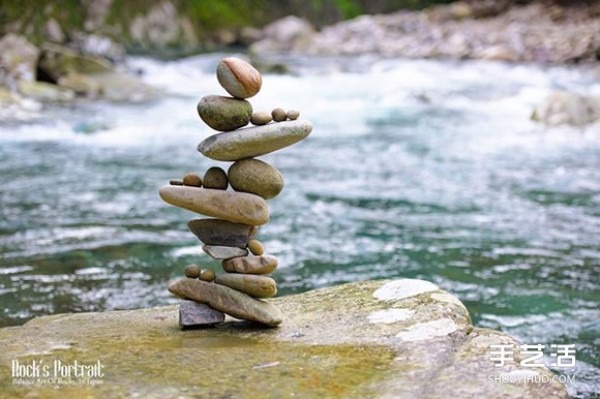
(220, 232)
(216, 178)
(224, 113)
(176, 182)
(207, 275)
(251, 284)
(292, 114)
(256, 177)
(256, 247)
(260, 118)
(238, 78)
(192, 179)
(192, 271)
(279, 115)
(194, 314)
(264, 264)
(227, 205)
(254, 141)
(227, 300)
(220, 252)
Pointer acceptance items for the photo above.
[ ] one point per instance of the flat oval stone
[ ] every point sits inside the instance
(251, 284)
(238, 78)
(256, 177)
(254, 141)
(220, 232)
(220, 252)
(264, 264)
(224, 113)
(228, 205)
(227, 300)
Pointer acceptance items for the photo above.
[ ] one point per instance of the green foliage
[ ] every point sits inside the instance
(348, 8)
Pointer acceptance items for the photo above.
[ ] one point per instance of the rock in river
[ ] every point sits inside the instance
(264, 264)
(256, 177)
(219, 252)
(228, 205)
(227, 300)
(220, 232)
(254, 141)
(194, 314)
(224, 113)
(252, 284)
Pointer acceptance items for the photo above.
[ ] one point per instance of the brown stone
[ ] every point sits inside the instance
(256, 247)
(264, 264)
(251, 284)
(216, 178)
(192, 179)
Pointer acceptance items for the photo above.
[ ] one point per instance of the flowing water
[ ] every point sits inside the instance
(415, 169)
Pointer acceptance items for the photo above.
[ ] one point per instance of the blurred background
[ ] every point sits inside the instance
(453, 142)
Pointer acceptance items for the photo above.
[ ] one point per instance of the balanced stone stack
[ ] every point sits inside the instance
(229, 234)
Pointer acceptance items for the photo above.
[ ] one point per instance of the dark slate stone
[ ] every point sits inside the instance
(219, 232)
(194, 314)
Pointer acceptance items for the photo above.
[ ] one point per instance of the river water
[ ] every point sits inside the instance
(416, 169)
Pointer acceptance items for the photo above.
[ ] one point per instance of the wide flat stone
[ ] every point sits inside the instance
(227, 300)
(263, 264)
(254, 141)
(220, 252)
(193, 314)
(220, 232)
(228, 205)
(336, 342)
(251, 284)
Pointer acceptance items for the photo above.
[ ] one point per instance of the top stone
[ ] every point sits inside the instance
(238, 78)
(254, 141)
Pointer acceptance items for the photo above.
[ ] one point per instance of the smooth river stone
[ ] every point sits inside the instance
(252, 284)
(227, 300)
(194, 314)
(264, 264)
(254, 141)
(228, 205)
(221, 232)
(238, 78)
(256, 177)
(219, 252)
(224, 113)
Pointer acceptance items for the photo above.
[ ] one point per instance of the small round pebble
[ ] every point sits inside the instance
(216, 178)
(192, 271)
(192, 179)
(279, 115)
(260, 118)
(292, 114)
(256, 247)
(207, 275)
(176, 182)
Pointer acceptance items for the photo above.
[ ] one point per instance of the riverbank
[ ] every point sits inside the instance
(538, 33)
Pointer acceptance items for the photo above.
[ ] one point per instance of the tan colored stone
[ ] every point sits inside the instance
(256, 177)
(279, 115)
(227, 300)
(228, 205)
(251, 284)
(238, 78)
(264, 264)
(254, 141)
(256, 247)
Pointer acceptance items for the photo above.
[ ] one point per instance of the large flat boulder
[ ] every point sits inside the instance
(378, 339)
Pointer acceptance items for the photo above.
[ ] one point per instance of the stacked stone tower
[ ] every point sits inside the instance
(230, 233)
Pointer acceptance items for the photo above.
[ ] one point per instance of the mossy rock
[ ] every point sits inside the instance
(395, 338)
